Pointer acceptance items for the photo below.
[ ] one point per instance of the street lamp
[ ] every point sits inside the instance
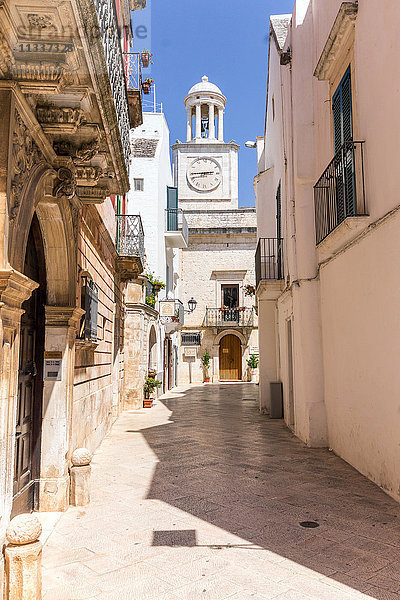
(192, 304)
(251, 144)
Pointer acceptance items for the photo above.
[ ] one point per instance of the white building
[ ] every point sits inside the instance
(328, 222)
(219, 259)
(151, 340)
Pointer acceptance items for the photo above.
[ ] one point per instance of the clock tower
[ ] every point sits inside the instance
(205, 167)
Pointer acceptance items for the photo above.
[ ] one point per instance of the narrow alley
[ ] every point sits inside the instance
(202, 497)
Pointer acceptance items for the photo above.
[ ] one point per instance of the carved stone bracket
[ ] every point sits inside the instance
(55, 119)
(38, 75)
(92, 195)
(25, 155)
(7, 61)
(88, 175)
(65, 184)
(83, 153)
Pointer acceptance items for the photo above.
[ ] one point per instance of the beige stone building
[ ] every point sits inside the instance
(328, 219)
(66, 109)
(219, 260)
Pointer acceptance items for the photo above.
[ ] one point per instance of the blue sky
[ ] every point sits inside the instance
(228, 41)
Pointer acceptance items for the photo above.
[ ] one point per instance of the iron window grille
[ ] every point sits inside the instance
(191, 339)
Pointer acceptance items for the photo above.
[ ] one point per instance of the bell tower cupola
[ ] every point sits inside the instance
(205, 104)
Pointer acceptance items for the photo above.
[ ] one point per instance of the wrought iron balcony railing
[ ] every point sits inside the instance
(130, 236)
(229, 317)
(133, 72)
(340, 191)
(269, 259)
(175, 222)
(112, 49)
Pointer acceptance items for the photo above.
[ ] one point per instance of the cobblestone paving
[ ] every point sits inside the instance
(201, 498)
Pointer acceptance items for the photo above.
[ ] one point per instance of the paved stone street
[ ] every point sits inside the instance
(201, 498)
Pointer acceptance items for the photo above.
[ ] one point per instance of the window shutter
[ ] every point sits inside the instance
(90, 302)
(172, 208)
(342, 112)
(172, 197)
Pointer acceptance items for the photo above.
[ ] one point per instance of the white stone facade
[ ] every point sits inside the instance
(222, 240)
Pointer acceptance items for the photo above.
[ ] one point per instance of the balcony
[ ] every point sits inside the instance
(133, 77)
(269, 260)
(229, 317)
(340, 191)
(115, 67)
(130, 246)
(176, 228)
(172, 315)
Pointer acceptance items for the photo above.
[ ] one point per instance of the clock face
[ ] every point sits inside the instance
(204, 174)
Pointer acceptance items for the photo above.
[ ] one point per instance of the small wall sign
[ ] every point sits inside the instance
(190, 352)
(52, 366)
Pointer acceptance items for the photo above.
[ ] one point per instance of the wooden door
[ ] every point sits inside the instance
(30, 387)
(230, 358)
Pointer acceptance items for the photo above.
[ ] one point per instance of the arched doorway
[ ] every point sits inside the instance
(230, 358)
(153, 349)
(30, 380)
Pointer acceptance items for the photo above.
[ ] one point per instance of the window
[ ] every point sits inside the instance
(89, 303)
(138, 185)
(190, 339)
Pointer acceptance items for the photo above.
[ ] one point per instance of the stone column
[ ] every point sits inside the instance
(220, 124)
(80, 477)
(211, 121)
(198, 120)
(23, 557)
(60, 335)
(188, 124)
(15, 288)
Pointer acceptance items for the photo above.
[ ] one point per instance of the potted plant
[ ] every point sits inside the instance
(252, 362)
(249, 290)
(150, 384)
(151, 300)
(206, 359)
(146, 58)
(146, 85)
(158, 285)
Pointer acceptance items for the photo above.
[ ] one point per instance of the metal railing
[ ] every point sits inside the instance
(269, 259)
(229, 317)
(340, 191)
(130, 236)
(108, 25)
(175, 220)
(133, 71)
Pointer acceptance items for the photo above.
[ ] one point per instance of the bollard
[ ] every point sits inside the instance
(80, 477)
(24, 559)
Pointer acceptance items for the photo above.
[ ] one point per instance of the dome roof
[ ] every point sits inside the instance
(205, 87)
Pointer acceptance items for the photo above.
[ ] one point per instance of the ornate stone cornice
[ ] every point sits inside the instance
(63, 316)
(342, 26)
(88, 175)
(15, 288)
(55, 119)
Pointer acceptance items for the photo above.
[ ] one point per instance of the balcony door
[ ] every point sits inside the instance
(230, 302)
(344, 153)
(230, 358)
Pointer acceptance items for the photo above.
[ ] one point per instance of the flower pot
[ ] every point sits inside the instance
(147, 402)
(253, 375)
(156, 287)
(206, 380)
(146, 87)
(145, 57)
